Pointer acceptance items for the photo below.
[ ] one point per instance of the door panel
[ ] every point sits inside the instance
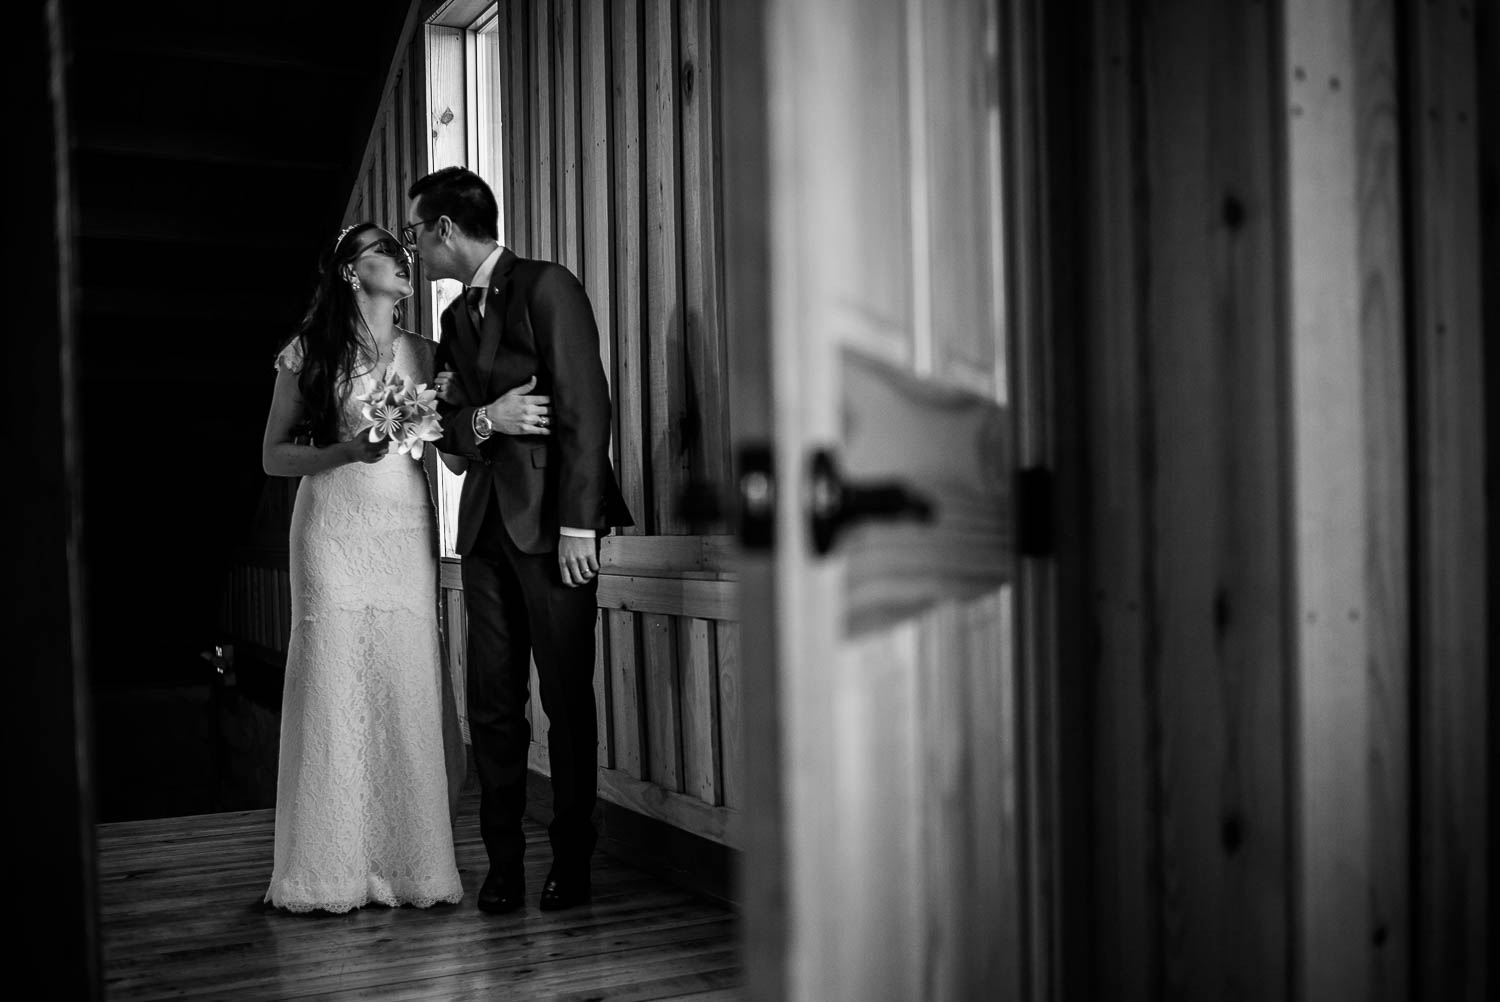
(962, 128)
(894, 672)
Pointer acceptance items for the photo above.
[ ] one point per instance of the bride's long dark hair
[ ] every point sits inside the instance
(334, 338)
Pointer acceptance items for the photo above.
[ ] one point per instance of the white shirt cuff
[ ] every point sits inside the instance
(580, 533)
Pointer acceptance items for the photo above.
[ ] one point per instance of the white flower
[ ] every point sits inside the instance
(419, 430)
(389, 421)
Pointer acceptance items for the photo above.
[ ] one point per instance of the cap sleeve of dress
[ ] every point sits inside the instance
(290, 357)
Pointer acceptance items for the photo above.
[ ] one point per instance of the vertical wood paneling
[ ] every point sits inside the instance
(1126, 848)
(662, 692)
(569, 234)
(284, 585)
(382, 167)
(1326, 365)
(535, 712)
(420, 160)
(1351, 909)
(1387, 617)
(401, 154)
(603, 705)
(458, 655)
(1215, 579)
(516, 130)
(1453, 773)
(706, 433)
(625, 690)
(625, 62)
(409, 142)
(731, 714)
(257, 601)
(1347, 390)
(665, 390)
(391, 166)
(448, 99)
(1184, 398)
(597, 188)
(543, 132)
(700, 710)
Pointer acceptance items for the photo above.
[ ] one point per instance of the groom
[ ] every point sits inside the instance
(535, 499)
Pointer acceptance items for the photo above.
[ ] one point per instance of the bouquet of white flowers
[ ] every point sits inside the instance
(402, 412)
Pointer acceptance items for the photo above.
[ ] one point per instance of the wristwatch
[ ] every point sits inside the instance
(483, 426)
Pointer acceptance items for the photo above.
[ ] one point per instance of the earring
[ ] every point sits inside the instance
(354, 282)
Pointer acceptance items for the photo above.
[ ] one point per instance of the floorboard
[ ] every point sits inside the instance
(182, 918)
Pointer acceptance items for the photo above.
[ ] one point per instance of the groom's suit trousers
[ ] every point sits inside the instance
(518, 608)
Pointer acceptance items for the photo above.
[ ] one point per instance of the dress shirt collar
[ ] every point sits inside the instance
(486, 269)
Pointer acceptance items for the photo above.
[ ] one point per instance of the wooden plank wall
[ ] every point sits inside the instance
(397, 153)
(1184, 432)
(1349, 513)
(1451, 717)
(1348, 466)
(256, 608)
(1288, 641)
(612, 168)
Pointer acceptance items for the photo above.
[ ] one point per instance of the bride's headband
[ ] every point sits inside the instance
(342, 234)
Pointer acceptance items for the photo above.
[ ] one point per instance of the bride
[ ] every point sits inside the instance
(362, 809)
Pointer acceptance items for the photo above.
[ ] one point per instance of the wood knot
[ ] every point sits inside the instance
(687, 80)
(1232, 211)
(1232, 832)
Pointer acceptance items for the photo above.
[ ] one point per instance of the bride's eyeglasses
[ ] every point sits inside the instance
(389, 246)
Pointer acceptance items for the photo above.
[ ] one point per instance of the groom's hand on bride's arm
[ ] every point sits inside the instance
(448, 389)
(520, 412)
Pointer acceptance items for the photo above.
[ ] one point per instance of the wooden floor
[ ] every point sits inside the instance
(182, 918)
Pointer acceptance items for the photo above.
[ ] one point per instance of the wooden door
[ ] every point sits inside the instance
(885, 849)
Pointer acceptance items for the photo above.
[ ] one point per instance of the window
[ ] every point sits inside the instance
(463, 108)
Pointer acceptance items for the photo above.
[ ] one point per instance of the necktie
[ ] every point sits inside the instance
(472, 297)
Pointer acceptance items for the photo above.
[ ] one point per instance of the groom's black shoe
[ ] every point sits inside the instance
(498, 895)
(566, 888)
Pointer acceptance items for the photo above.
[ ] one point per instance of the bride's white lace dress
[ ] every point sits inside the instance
(361, 791)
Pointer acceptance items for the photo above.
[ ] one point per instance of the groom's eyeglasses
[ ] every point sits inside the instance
(387, 246)
(409, 231)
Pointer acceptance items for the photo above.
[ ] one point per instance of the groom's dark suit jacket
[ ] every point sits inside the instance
(537, 321)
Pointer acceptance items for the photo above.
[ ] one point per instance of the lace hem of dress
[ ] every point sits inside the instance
(377, 890)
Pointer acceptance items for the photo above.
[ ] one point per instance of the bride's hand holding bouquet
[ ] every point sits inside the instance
(399, 415)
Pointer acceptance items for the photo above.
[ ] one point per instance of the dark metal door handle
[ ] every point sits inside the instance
(748, 506)
(835, 505)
